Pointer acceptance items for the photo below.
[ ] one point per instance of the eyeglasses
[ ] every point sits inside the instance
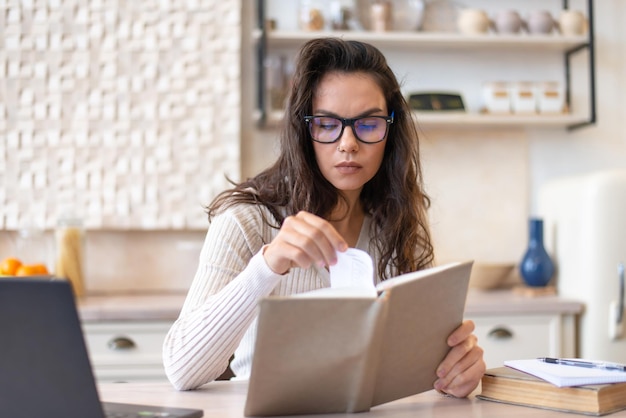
(369, 129)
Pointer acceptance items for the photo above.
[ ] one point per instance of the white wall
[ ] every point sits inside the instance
(602, 146)
(484, 182)
(123, 113)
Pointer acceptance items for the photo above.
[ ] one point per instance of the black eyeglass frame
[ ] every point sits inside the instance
(350, 122)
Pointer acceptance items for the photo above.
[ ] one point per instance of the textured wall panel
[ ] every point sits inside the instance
(125, 113)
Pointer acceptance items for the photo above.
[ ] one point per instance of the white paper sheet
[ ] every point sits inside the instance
(354, 270)
(561, 375)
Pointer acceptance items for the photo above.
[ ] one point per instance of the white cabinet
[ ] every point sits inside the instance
(508, 337)
(450, 54)
(511, 326)
(125, 351)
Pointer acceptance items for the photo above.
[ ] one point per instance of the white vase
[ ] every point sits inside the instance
(572, 22)
(408, 15)
(540, 22)
(473, 21)
(507, 21)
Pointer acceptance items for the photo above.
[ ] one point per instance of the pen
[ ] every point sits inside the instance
(582, 363)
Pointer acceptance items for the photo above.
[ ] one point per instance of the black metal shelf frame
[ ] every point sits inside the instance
(590, 46)
(261, 52)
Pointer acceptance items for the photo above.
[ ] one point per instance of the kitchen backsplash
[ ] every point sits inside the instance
(140, 261)
(122, 261)
(125, 113)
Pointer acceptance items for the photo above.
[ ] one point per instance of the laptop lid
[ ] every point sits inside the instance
(44, 364)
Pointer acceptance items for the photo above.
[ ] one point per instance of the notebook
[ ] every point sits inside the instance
(563, 376)
(44, 365)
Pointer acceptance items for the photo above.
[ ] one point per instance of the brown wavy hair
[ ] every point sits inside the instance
(394, 197)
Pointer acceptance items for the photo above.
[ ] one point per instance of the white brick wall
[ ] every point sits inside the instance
(126, 113)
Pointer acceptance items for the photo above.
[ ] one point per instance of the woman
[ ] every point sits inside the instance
(348, 175)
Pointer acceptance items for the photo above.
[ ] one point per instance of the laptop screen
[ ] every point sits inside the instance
(45, 367)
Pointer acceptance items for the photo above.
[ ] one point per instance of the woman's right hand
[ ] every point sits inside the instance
(303, 240)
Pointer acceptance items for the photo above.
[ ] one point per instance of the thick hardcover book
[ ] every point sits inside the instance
(338, 353)
(507, 385)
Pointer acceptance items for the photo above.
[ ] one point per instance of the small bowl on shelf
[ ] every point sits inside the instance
(490, 276)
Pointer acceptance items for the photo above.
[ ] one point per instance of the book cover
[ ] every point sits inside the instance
(327, 353)
(511, 386)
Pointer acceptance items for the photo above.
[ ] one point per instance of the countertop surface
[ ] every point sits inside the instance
(504, 302)
(166, 306)
(224, 399)
(131, 307)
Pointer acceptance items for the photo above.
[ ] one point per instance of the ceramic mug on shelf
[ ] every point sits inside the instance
(523, 97)
(507, 21)
(473, 21)
(497, 97)
(550, 97)
(572, 22)
(540, 22)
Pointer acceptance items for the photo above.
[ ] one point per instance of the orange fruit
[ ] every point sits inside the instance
(9, 266)
(31, 270)
(41, 269)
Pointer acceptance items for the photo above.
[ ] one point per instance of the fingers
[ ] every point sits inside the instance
(303, 240)
(460, 372)
(461, 384)
(461, 333)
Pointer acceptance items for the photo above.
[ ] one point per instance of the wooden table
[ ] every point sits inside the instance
(226, 399)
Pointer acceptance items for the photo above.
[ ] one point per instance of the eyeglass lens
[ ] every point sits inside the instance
(329, 129)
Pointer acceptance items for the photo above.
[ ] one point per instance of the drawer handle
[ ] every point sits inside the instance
(500, 333)
(121, 343)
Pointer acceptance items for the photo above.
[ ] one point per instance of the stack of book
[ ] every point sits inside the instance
(535, 383)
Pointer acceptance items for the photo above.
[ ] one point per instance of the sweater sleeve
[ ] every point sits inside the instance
(222, 302)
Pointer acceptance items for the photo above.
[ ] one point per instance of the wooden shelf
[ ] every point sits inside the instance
(456, 120)
(435, 40)
(448, 42)
(469, 120)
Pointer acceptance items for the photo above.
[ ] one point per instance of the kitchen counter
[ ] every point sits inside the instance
(507, 302)
(166, 306)
(131, 307)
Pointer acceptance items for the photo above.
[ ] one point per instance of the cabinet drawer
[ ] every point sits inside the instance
(518, 337)
(124, 351)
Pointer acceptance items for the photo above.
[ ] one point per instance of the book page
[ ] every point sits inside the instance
(562, 375)
(395, 281)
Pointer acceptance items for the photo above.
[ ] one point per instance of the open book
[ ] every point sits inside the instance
(333, 351)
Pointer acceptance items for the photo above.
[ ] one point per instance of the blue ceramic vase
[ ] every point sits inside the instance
(536, 267)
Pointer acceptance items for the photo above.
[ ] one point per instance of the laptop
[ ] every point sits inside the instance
(44, 365)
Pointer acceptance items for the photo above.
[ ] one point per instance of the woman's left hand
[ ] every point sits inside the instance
(460, 372)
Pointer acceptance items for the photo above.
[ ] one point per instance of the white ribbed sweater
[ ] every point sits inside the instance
(218, 317)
